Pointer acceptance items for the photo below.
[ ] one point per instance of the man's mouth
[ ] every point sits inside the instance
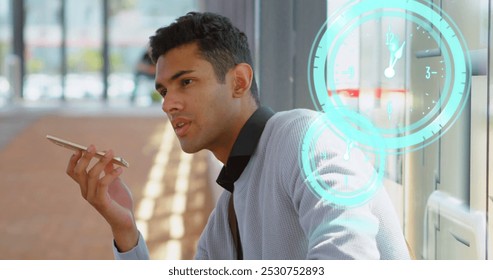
(181, 128)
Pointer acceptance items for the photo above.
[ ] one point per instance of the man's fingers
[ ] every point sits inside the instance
(95, 174)
(99, 167)
(79, 173)
(109, 168)
(101, 191)
(108, 178)
(81, 167)
(72, 163)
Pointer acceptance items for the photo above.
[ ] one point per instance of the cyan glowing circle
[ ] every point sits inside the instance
(360, 194)
(442, 100)
(453, 48)
(364, 139)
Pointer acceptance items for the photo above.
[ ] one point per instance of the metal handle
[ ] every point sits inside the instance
(479, 59)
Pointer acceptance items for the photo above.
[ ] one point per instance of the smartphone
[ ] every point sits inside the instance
(76, 147)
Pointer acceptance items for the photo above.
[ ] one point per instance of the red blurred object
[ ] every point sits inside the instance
(354, 92)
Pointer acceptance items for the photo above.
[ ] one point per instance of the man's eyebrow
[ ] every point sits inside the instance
(180, 73)
(174, 77)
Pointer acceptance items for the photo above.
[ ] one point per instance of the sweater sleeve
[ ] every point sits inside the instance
(334, 231)
(139, 252)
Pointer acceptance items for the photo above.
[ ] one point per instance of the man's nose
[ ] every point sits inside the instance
(171, 103)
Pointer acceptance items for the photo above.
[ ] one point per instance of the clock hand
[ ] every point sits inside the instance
(398, 53)
(391, 60)
(394, 56)
(389, 71)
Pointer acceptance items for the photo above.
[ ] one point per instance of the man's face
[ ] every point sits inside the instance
(200, 109)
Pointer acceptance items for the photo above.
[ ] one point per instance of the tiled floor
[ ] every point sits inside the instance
(43, 216)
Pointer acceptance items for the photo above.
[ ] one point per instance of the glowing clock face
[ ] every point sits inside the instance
(415, 39)
(439, 55)
(350, 190)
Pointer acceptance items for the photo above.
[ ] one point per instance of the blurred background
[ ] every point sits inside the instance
(77, 70)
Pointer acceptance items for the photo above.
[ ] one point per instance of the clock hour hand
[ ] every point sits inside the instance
(394, 56)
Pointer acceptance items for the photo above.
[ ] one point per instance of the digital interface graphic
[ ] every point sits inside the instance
(431, 46)
(319, 134)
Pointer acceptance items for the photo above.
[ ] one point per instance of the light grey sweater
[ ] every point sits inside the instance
(281, 217)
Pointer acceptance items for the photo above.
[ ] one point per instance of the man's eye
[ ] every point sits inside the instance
(186, 82)
(163, 92)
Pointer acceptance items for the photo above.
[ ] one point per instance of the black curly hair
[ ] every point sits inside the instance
(219, 42)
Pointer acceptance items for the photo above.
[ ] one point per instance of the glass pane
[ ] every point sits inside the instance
(131, 23)
(5, 48)
(84, 49)
(43, 37)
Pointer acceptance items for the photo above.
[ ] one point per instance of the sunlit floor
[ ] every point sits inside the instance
(43, 216)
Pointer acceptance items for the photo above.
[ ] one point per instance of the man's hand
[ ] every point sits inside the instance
(102, 187)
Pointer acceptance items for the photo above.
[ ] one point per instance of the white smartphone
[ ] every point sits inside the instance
(76, 147)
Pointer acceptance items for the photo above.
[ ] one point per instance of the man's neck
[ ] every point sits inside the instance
(223, 153)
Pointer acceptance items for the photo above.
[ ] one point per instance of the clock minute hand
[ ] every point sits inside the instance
(398, 54)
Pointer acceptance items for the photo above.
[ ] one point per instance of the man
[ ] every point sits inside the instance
(204, 73)
(144, 75)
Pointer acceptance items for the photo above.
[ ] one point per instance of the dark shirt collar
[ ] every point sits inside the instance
(243, 148)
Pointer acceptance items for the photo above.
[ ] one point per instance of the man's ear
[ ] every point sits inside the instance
(243, 75)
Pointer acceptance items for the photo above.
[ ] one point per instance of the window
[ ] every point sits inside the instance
(5, 49)
(43, 39)
(130, 25)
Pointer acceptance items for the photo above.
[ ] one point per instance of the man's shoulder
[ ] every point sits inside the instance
(297, 113)
(293, 116)
(289, 125)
